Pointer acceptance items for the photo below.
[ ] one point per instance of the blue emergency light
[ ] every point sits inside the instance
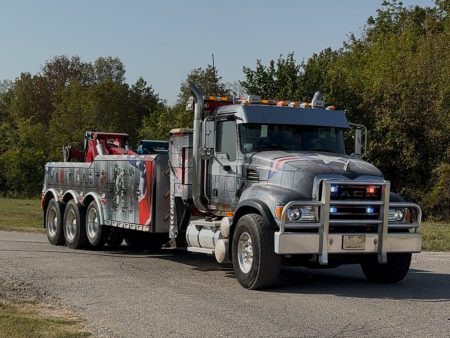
(334, 188)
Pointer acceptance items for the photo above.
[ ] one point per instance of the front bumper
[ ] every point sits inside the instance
(289, 243)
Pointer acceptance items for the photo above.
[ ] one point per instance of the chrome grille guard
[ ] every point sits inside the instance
(324, 221)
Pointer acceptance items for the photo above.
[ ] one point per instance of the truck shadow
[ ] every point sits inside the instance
(345, 281)
(348, 281)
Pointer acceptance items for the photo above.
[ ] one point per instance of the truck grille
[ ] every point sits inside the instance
(340, 192)
(354, 212)
(366, 199)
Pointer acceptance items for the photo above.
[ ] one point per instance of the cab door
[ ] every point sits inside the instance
(224, 167)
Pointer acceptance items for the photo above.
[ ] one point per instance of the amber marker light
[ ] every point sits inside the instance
(278, 212)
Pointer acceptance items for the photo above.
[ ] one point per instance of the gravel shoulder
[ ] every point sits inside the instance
(124, 294)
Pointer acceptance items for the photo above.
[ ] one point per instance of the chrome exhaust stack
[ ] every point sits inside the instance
(197, 184)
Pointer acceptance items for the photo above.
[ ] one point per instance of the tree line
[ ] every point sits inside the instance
(394, 78)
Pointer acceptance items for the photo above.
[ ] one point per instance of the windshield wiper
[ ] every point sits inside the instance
(323, 149)
(271, 147)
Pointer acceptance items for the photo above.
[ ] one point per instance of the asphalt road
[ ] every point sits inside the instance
(136, 294)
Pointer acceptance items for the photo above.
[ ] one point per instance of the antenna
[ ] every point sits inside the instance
(215, 79)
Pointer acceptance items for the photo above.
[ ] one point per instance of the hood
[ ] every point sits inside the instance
(291, 169)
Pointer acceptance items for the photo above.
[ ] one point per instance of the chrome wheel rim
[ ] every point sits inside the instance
(71, 225)
(245, 252)
(93, 225)
(52, 222)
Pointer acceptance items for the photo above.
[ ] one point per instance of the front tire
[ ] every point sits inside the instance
(53, 223)
(96, 233)
(74, 229)
(393, 271)
(254, 261)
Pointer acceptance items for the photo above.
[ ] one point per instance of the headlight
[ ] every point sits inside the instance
(294, 214)
(297, 214)
(301, 214)
(399, 215)
(396, 215)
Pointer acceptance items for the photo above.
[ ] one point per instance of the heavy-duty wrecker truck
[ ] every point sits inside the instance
(261, 183)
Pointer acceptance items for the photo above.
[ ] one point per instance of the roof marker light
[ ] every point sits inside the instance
(282, 103)
(317, 101)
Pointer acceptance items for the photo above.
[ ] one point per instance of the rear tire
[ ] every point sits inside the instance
(53, 222)
(255, 262)
(74, 228)
(96, 233)
(393, 271)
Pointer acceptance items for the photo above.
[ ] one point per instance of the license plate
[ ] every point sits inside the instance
(354, 242)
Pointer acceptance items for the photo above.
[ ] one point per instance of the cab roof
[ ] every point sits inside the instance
(285, 115)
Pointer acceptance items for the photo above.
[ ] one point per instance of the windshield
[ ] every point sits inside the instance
(258, 137)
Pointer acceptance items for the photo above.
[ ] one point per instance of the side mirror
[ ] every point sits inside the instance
(360, 137)
(209, 134)
(358, 144)
(190, 104)
(208, 142)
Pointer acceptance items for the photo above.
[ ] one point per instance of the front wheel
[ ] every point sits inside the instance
(393, 271)
(254, 261)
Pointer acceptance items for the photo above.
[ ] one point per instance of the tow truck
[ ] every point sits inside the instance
(260, 183)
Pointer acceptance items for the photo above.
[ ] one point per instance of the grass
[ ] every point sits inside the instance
(436, 236)
(22, 319)
(26, 215)
(21, 214)
(28, 319)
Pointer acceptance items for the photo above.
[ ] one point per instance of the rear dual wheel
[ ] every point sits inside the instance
(53, 222)
(74, 226)
(97, 234)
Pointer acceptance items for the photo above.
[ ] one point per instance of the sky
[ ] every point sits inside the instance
(162, 41)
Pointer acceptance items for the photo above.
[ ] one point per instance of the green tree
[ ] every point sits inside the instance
(40, 113)
(146, 107)
(61, 70)
(158, 124)
(278, 80)
(109, 68)
(70, 119)
(207, 80)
